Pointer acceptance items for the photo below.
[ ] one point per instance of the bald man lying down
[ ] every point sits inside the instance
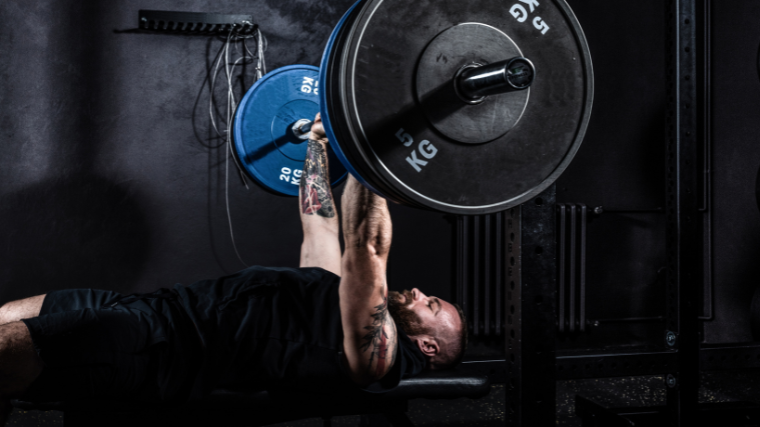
(330, 324)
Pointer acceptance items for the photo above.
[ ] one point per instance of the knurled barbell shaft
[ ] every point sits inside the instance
(500, 77)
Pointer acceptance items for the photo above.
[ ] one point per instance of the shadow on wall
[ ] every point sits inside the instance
(81, 231)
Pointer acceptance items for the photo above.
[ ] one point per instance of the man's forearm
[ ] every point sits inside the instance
(366, 220)
(321, 228)
(317, 203)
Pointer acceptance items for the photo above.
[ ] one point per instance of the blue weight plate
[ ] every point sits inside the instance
(334, 43)
(265, 145)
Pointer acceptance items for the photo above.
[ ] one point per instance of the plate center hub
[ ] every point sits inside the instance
(463, 49)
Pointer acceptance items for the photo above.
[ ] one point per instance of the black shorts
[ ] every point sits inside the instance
(103, 345)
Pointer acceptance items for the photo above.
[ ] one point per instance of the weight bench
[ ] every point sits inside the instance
(238, 408)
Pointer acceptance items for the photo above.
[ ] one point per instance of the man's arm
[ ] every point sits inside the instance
(320, 247)
(370, 341)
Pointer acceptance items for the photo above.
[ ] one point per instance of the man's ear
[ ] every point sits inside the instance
(427, 345)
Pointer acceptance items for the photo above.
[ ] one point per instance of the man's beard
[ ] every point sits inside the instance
(405, 318)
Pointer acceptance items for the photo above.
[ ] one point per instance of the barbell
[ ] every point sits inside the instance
(460, 107)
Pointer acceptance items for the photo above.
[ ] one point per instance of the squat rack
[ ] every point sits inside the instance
(530, 291)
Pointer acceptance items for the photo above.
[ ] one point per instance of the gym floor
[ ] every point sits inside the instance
(740, 386)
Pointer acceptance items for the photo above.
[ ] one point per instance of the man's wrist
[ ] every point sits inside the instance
(322, 140)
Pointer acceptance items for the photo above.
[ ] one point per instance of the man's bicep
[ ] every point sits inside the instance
(380, 342)
(371, 337)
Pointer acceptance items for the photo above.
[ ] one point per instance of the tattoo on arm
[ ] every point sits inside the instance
(378, 339)
(316, 197)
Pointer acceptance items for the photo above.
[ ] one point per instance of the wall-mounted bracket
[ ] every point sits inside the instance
(195, 23)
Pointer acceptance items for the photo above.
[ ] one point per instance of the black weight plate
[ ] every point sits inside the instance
(334, 46)
(335, 102)
(332, 109)
(377, 74)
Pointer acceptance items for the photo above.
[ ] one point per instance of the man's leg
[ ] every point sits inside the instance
(19, 365)
(21, 309)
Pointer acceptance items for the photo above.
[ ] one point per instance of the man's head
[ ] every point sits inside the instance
(439, 329)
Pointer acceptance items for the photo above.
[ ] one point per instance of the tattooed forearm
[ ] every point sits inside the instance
(316, 197)
(380, 335)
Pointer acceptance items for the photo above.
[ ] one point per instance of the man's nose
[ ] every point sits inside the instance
(418, 295)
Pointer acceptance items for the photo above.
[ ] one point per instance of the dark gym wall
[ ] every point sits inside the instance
(108, 178)
(735, 109)
(620, 168)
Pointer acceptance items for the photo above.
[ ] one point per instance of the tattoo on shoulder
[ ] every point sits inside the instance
(380, 335)
(316, 197)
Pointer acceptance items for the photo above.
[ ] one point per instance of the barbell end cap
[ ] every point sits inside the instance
(302, 129)
(475, 82)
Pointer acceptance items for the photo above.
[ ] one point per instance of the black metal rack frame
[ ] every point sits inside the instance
(530, 306)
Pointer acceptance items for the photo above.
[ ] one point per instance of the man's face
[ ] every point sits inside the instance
(419, 314)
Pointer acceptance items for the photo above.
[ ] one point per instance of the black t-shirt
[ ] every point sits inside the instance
(278, 327)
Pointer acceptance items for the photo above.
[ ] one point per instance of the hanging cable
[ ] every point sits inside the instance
(246, 57)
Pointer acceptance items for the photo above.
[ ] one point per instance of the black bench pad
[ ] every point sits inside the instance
(451, 384)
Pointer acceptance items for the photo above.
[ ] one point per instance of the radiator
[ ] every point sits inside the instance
(480, 272)
(482, 248)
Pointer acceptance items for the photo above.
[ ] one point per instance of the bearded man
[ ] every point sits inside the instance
(330, 324)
